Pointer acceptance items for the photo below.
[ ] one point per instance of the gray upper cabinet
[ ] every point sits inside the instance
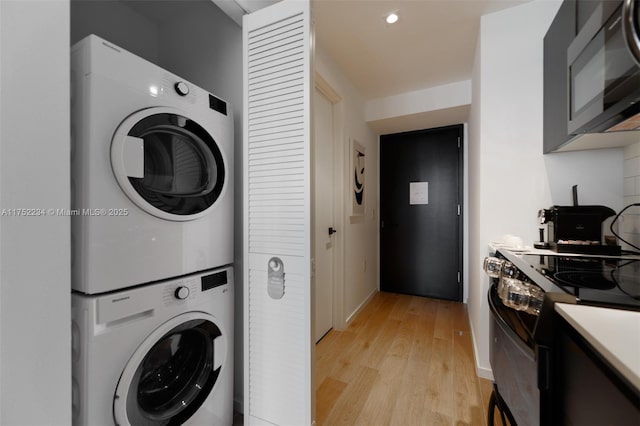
(583, 10)
(560, 34)
(591, 80)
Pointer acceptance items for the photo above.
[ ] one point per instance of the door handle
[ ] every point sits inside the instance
(275, 278)
(332, 230)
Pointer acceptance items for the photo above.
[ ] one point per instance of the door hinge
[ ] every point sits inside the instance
(458, 277)
(458, 142)
(458, 209)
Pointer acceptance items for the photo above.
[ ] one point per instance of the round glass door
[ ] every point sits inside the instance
(171, 375)
(168, 164)
(631, 24)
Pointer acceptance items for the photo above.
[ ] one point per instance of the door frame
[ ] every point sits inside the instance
(339, 155)
(463, 197)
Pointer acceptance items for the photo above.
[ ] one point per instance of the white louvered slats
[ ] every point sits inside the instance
(278, 385)
(277, 137)
(277, 143)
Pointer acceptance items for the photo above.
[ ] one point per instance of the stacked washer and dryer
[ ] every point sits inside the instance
(152, 242)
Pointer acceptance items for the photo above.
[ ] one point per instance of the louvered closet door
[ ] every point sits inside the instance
(277, 142)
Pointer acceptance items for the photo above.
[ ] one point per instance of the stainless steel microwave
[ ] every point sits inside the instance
(604, 70)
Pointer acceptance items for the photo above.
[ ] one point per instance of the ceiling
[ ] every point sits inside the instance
(433, 42)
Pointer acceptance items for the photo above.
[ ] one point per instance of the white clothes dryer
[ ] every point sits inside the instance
(152, 172)
(159, 354)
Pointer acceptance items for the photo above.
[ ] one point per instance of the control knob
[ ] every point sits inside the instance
(182, 88)
(182, 292)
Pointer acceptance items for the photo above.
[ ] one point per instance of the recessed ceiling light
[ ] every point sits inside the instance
(392, 18)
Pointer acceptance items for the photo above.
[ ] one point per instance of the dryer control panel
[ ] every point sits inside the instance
(214, 280)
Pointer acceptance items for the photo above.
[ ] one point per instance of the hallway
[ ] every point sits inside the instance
(404, 360)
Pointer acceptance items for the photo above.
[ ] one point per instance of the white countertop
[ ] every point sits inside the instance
(494, 246)
(614, 333)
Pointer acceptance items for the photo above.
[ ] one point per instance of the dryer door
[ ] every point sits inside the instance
(167, 164)
(172, 373)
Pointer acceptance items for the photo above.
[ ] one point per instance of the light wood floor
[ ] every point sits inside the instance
(404, 360)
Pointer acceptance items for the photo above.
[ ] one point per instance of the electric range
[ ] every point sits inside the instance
(522, 343)
(599, 281)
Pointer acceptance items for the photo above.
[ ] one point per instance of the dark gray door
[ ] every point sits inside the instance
(420, 212)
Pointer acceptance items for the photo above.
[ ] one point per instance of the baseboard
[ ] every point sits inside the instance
(483, 372)
(359, 308)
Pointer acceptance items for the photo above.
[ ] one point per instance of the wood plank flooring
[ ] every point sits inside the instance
(404, 360)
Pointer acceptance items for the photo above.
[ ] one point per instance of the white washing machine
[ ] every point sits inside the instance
(160, 354)
(152, 172)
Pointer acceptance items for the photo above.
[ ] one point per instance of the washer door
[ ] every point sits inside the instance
(167, 164)
(172, 372)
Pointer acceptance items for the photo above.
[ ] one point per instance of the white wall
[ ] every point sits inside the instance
(510, 178)
(204, 45)
(598, 175)
(427, 100)
(630, 222)
(117, 23)
(361, 233)
(438, 106)
(35, 316)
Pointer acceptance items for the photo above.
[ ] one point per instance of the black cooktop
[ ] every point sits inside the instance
(613, 282)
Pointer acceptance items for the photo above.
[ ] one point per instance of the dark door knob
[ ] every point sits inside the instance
(332, 230)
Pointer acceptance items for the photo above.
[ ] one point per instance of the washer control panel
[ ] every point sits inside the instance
(193, 287)
(180, 290)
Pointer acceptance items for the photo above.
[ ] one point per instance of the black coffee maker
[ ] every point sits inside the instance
(577, 229)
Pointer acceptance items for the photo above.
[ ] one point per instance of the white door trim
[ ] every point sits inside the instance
(339, 152)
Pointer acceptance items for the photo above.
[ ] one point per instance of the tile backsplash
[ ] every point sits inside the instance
(629, 225)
